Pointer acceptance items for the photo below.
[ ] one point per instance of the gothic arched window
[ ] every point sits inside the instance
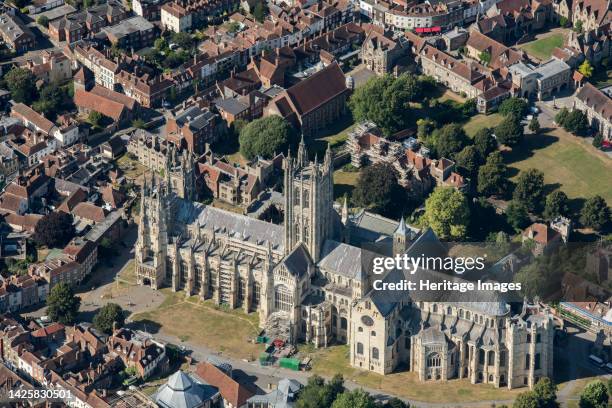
(283, 299)
(375, 353)
(434, 360)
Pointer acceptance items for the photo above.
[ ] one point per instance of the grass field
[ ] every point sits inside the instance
(344, 182)
(542, 48)
(204, 324)
(567, 164)
(480, 121)
(332, 360)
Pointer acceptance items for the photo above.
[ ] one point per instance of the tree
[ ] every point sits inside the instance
(22, 84)
(576, 122)
(509, 131)
(484, 142)
(595, 213)
(108, 317)
(598, 140)
(546, 392)
(424, 128)
(43, 21)
(94, 118)
(526, 400)
(449, 139)
(183, 40)
(160, 44)
(264, 137)
(594, 395)
(52, 98)
(485, 57)
(516, 107)
(396, 403)
(386, 101)
(468, 161)
(62, 304)
(378, 189)
(561, 116)
(586, 69)
(563, 22)
(534, 125)
(578, 26)
(447, 213)
(556, 205)
(259, 12)
(317, 394)
(517, 215)
(357, 398)
(492, 176)
(529, 189)
(54, 230)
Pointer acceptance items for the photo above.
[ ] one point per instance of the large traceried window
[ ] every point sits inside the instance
(434, 360)
(283, 299)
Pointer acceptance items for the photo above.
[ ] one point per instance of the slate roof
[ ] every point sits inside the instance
(298, 261)
(342, 259)
(228, 222)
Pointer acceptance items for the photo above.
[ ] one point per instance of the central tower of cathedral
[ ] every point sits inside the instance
(309, 195)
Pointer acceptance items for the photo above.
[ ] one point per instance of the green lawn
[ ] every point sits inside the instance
(344, 182)
(480, 121)
(543, 47)
(332, 360)
(567, 163)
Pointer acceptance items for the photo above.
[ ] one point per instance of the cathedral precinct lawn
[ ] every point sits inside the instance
(344, 182)
(202, 323)
(542, 47)
(568, 162)
(480, 121)
(335, 359)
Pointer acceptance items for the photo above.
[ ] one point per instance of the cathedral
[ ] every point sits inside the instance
(309, 280)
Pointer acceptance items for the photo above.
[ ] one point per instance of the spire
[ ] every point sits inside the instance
(344, 214)
(302, 154)
(401, 228)
(327, 163)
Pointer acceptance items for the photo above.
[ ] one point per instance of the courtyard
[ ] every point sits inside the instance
(544, 43)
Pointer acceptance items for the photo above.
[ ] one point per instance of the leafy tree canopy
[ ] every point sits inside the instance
(110, 314)
(22, 84)
(54, 230)
(595, 213)
(529, 189)
(594, 395)
(385, 101)
(449, 139)
(492, 176)
(447, 213)
(484, 142)
(378, 189)
(510, 131)
(265, 137)
(516, 107)
(517, 215)
(556, 205)
(62, 304)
